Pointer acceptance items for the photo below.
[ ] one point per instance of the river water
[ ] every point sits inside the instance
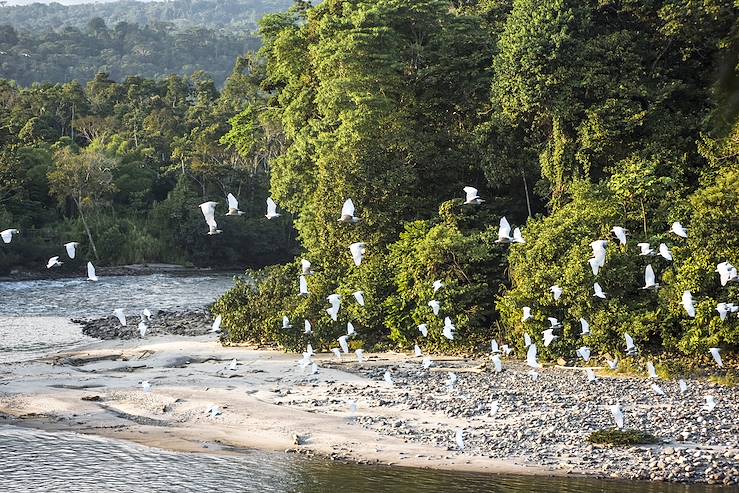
(34, 320)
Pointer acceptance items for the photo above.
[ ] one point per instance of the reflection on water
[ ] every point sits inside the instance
(81, 298)
(40, 461)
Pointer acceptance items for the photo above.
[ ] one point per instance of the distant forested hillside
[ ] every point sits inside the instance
(237, 15)
(122, 50)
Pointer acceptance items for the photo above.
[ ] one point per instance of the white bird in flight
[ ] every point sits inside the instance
(494, 346)
(549, 337)
(388, 378)
(678, 229)
(683, 386)
(232, 365)
(343, 342)
(598, 291)
(657, 389)
(146, 313)
(645, 249)
(350, 330)
(526, 314)
(424, 329)
(554, 323)
(337, 352)
(612, 363)
(497, 363)
(142, 328)
(437, 285)
(531, 357)
(347, 213)
(526, 340)
(303, 282)
(435, 306)
(584, 353)
(618, 415)
(118, 312)
(91, 276)
(214, 411)
(53, 262)
(308, 329)
(459, 439)
(652, 371)
(710, 403)
(286, 322)
(359, 296)
(146, 386)
(417, 351)
(591, 375)
(360, 355)
(584, 327)
(305, 267)
(649, 279)
(517, 236)
(687, 303)
(233, 206)
(7, 235)
(727, 273)
(335, 301)
(471, 196)
(716, 356)
(620, 234)
(358, 251)
(209, 213)
(664, 252)
(426, 362)
(71, 248)
(630, 347)
(216, 327)
(556, 291)
(271, 209)
(504, 231)
(448, 329)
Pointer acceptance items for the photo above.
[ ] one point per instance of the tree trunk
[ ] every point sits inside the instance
(87, 230)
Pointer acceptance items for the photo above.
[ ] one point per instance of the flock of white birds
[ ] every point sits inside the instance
(726, 271)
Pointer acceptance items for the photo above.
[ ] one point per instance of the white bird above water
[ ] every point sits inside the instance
(620, 234)
(618, 415)
(716, 356)
(71, 248)
(649, 278)
(271, 209)
(347, 213)
(142, 328)
(584, 327)
(146, 313)
(448, 329)
(7, 235)
(687, 303)
(233, 364)
(549, 337)
(435, 306)
(233, 206)
(53, 262)
(118, 312)
(214, 411)
(598, 291)
(678, 229)
(664, 252)
(471, 196)
(146, 386)
(209, 213)
(359, 296)
(526, 314)
(216, 327)
(423, 328)
(556, 291)
(91, 275)
(358, 251)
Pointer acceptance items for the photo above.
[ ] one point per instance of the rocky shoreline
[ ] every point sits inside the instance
(110, 271)
(186, 323)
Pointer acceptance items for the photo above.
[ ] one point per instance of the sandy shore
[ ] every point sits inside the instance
(268, 402)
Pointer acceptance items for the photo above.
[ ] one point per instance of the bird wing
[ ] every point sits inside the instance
(649, 276)
(271, 207)
(90, 271)
(688, 303)
(303, 285)
(348, 208)
(471, 193)
(504, 229)
(629, 341)
(232, 202)
(531, 356)
(7, 235)
(71, 247)
(209, 213)
(517, 236)
(664, 251)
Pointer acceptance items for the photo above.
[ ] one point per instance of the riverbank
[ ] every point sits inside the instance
(268, 402)
(111, 271)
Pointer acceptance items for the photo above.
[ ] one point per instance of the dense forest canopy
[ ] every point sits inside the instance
(570, 117)
(240, 16)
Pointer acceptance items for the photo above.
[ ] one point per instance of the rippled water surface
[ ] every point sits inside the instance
(34, 315)
(38, 461)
